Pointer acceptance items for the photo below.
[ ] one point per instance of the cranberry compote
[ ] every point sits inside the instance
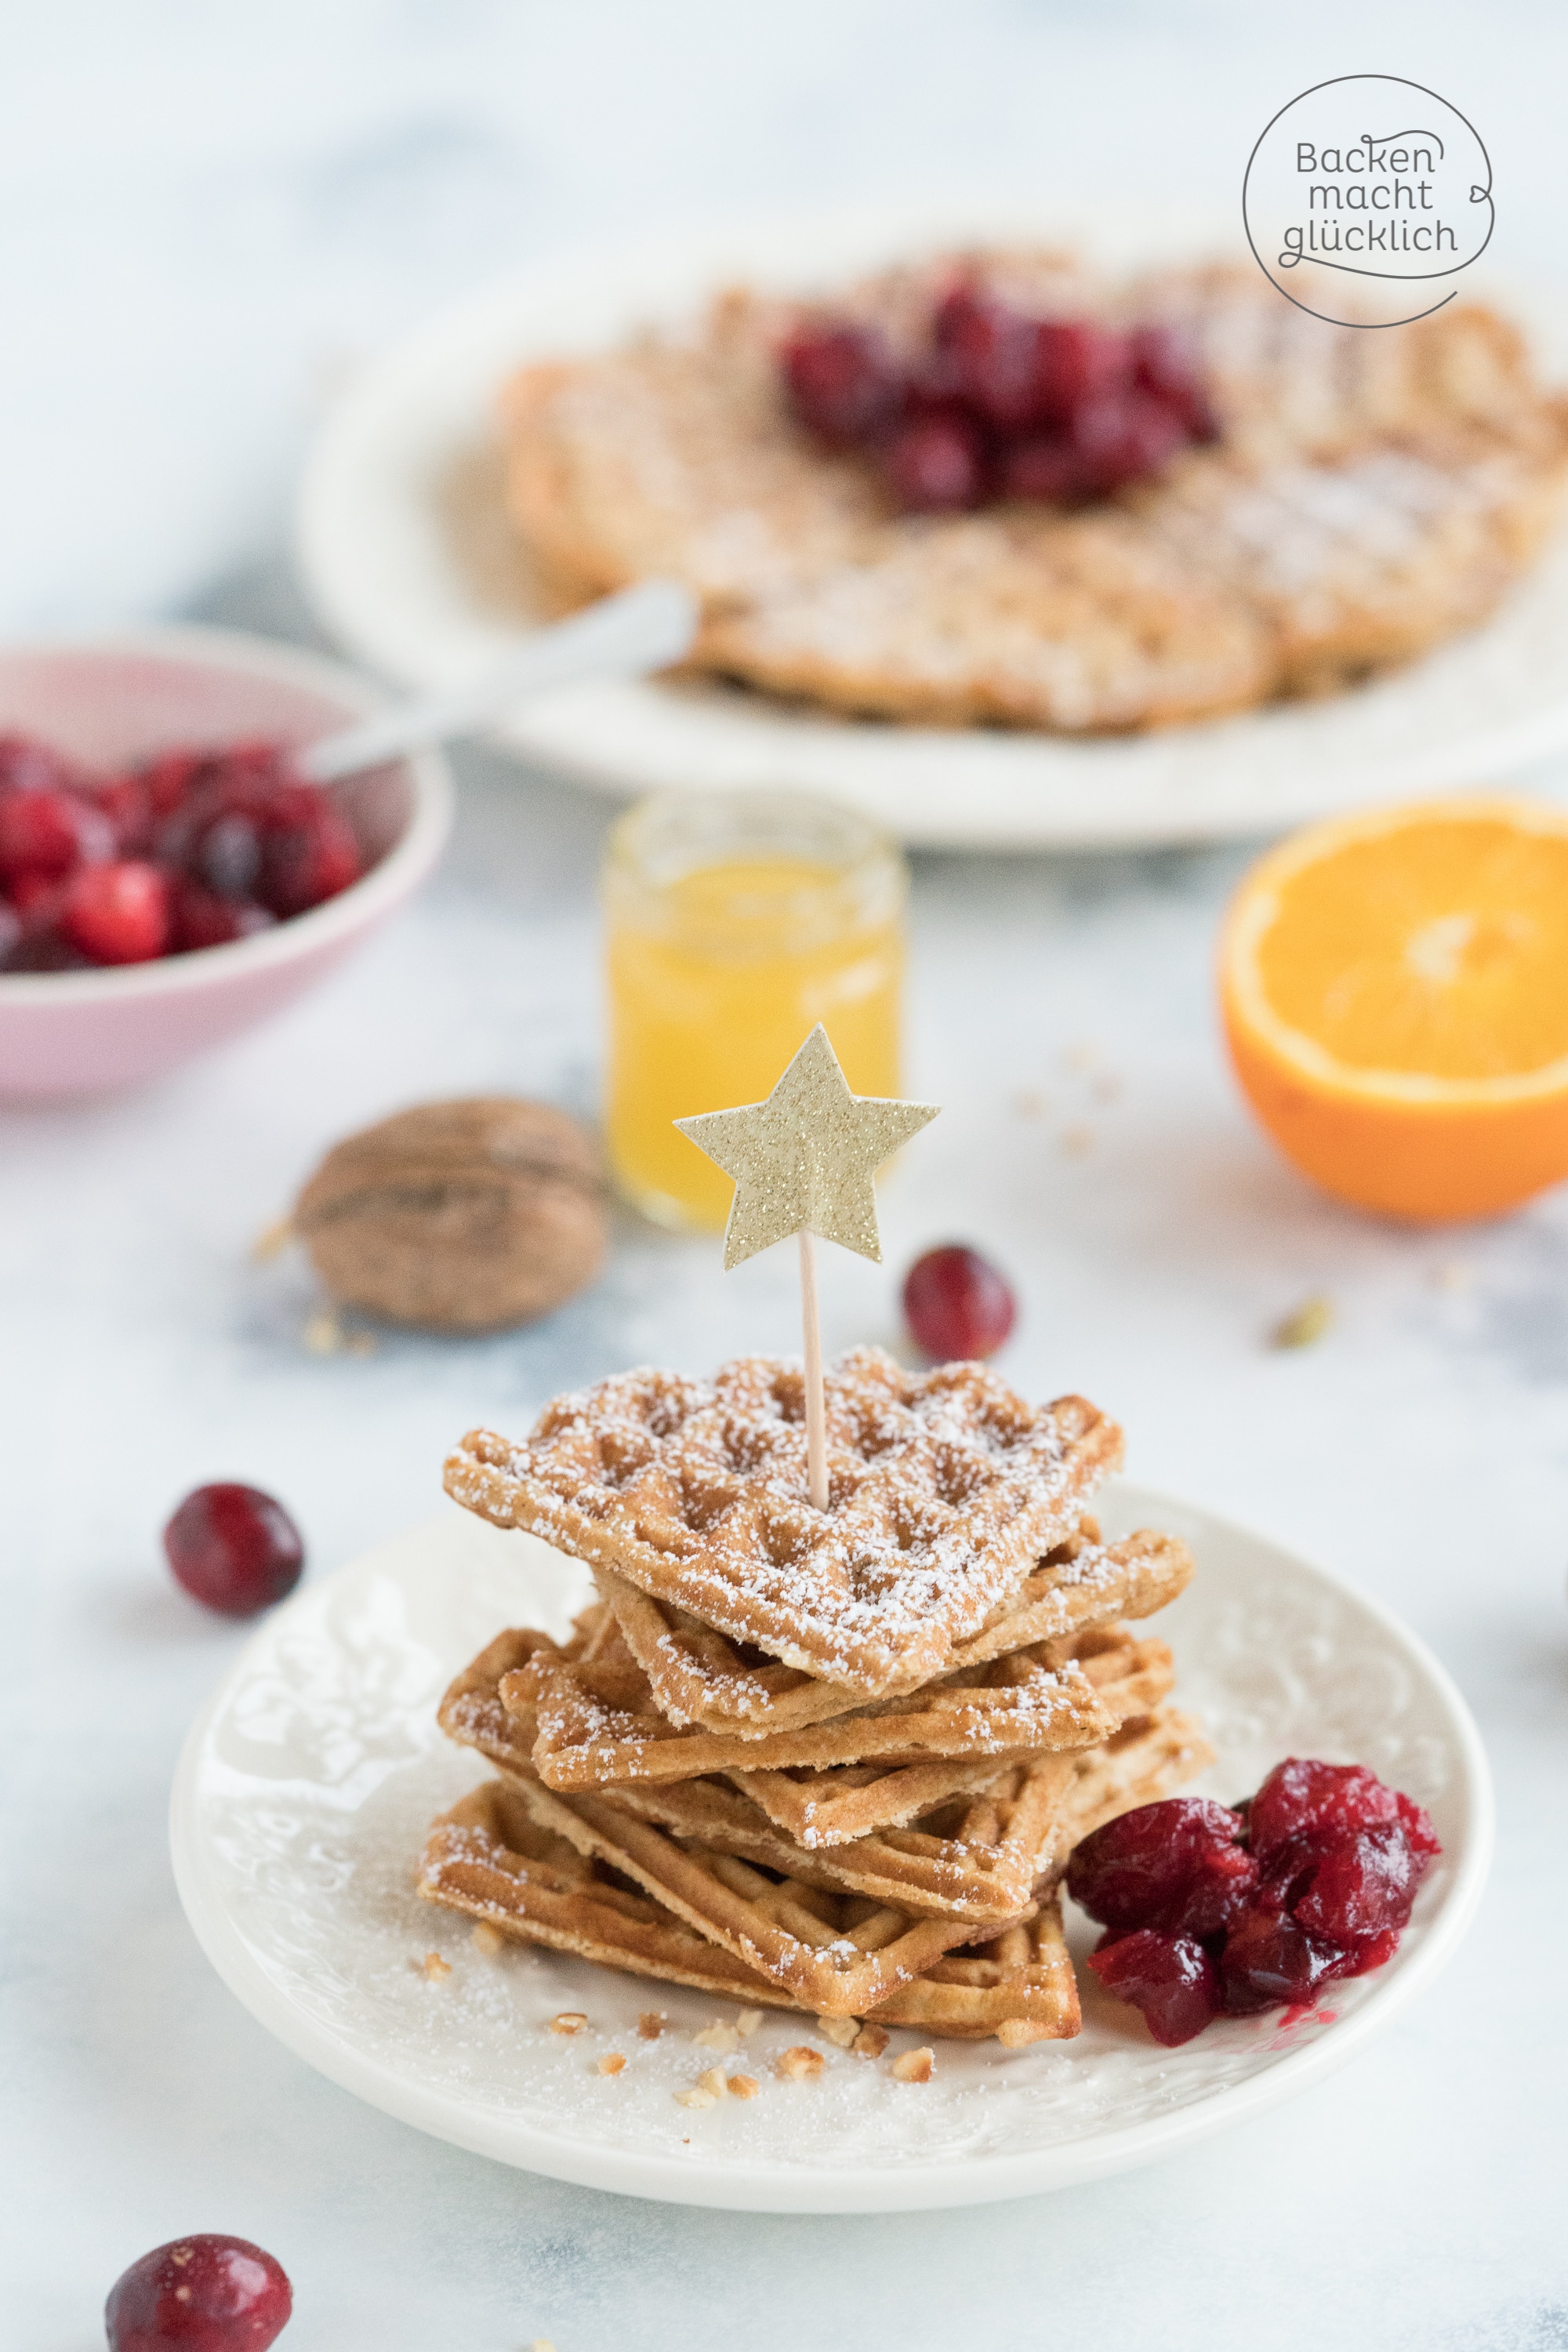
(1311, 1879)
(203, 2294)
(234, 1548)
(956, 1304)
(991, 402)
(192, 849)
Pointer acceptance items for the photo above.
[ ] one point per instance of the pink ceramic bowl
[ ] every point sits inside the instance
(74, 1033)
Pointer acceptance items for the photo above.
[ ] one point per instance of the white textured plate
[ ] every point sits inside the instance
(409, 561)
(307, 1784)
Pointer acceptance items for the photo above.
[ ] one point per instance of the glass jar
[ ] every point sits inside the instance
(735, 922)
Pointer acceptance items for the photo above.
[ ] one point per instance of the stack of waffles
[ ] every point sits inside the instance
(823, 1760)
(1368, 496)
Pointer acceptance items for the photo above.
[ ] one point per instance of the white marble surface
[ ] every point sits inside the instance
(203, 215)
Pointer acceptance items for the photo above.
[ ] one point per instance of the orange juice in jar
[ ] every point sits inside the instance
(735, 922)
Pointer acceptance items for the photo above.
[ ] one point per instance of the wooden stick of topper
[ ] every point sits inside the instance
(803, 1163)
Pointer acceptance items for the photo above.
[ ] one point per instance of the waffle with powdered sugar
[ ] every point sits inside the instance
(945, 1490)
(1370, 494)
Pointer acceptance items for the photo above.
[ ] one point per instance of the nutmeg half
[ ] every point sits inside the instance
(458, 1216)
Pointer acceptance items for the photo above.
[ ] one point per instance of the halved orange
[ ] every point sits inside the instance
(1394, 988)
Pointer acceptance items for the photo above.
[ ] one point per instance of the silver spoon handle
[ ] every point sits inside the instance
(638, 629)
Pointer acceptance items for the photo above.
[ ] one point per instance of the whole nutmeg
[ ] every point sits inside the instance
(457, 1216)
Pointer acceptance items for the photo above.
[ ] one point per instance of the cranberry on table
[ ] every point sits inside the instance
(234, 1548)
(201, 2293)
(1172, 1979)
(956, 1304)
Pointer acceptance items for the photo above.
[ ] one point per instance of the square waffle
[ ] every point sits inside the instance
(489, 1859)
(946, 1488)
(975, 1856)
(697, 1675)
(837, 1953)
(582, 1716)
(820, 1808)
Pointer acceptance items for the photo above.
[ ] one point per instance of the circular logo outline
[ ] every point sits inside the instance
(1415, 276)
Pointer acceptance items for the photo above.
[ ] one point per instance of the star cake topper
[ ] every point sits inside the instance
(804, 1160)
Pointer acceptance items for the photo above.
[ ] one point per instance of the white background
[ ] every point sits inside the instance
(205, 213)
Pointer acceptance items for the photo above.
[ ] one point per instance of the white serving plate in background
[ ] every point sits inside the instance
(408, 559)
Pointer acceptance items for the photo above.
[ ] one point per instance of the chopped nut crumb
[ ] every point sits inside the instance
(542, 2344)
(798, 2064)
(1306, 1325)
(1029, 1103)
(713, 2080)
(1106, 1087)
(1078, 1057)
(487, 1939)
(870, 2041)
(841, 2030)
(1453, 1275)
(747, 2022)
(272, 1239)
(914, 2066)
(650, 2026)
(568, 2020)
(722, 2038)
(433, 1967)
(1013, 2032)
(695, 2097)
(360, 1343)
(612, 2062)
(1077, 1140)
(325, 1333)
(742, 2086)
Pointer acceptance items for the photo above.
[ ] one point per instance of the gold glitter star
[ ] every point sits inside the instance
(802, 1161)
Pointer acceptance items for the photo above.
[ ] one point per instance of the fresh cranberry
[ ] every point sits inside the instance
(1078, 362)
(27, 766)
(309, 853)
(234, 1548)
(1175, 1867)
(127, 802)
(843, 383)
(204, 2293)
(1270, 1961)
(46, 830)
(1046, 467)
(1302, 1797)
(37, 898)
(1363, 1882)
(119, 913)
(936, 465)
(956, 1304)
(1166, 362)
(1170, 1979)
(994, 352)
(202, 919)
(226, 854)
(1125, 437)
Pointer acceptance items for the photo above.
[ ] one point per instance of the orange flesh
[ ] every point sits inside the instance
(1439, 950)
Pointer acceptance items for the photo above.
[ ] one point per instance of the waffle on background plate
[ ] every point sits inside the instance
(880, 1840)
(1370, 494)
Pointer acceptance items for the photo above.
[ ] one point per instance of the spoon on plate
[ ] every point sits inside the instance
(624, 636)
